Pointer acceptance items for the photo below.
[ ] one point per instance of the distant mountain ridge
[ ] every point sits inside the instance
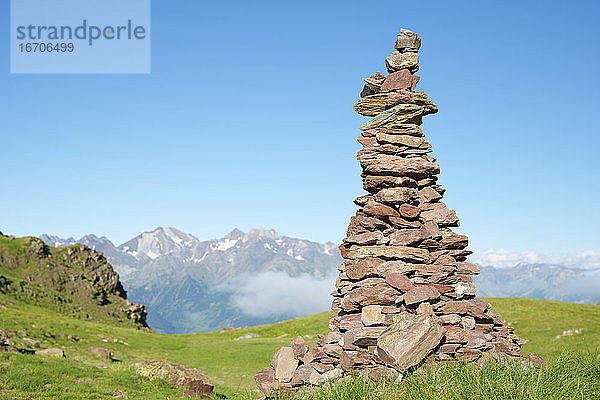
(188, 284)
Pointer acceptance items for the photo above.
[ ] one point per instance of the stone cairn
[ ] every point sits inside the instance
(404, 293)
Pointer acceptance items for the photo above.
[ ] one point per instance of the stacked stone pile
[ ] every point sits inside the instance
(404, 292)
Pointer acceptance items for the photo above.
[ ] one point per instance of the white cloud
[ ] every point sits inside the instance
(278, 294)
(501, 258)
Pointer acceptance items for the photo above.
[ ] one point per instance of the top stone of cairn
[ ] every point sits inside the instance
(407, 41)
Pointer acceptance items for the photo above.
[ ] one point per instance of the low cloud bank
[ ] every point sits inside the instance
(500, 258)
(278, 294)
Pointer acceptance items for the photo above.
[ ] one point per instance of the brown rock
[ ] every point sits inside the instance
(367, 238)
(399, 222)
(313, 355)
(409, 211)
(399, 80)
(397, 128)
(407, 41)
(382, 294)
(265, 380)
(299, 347)
(397, 195)
(308, 374)
(401, 113)
(372, 315)
(454, 334)
(408, 237)
(387, 164)
(53, 352)
(420, 294)
(374, 183)
(332, 350)
(408, 141)
(349, 321)
(285, 364)
(376, 103)
(404, 253)
(398, 61)
(467, 268)
(104, 353)
(409, 340)
(379, 210)
(366, 336)
(429, 195)
(399, 281)
(442, 217)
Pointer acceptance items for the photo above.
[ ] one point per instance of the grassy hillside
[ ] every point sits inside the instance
(228, 362)
(75, 281)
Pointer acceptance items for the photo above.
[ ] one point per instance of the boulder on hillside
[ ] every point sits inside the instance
(53, 352)
(99, 351)
(197, 383)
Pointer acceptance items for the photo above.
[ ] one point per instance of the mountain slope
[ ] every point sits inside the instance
(75, 280)
(191, 285)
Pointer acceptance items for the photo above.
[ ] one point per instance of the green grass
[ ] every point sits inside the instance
(570, 377)
(231, 364)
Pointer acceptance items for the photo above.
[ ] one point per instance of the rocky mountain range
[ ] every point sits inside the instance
(190, 285)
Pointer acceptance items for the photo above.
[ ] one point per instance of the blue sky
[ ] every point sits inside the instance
(246, 121)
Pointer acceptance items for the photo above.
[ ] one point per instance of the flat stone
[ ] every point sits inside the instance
(399, 80)
(400, 113)
(467, 268)
(372, 315)
(308, 374)
(442, 217)
(407, 237)
(420, 294)
(374, 183)
(413, 167)
(376, 79)
(377, 103)
(399, 222)
(409, 340)
(366, 336)
(399, 281)
(331, 337)
(450, 319)
(381, 294)
(398, 128)
(397, 61)
(397, 195)
(332, 350)
(359, 269)
(285, 364)
(362, 222)
(366, 238)
(404, 253)
(408, 141)
(380, 210)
